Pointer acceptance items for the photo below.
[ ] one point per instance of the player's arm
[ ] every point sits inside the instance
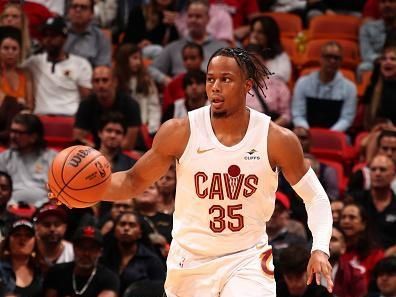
(168, 145)
(285, 152)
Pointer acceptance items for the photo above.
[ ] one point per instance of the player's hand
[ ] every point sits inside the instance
(319, 265)
(52, 197)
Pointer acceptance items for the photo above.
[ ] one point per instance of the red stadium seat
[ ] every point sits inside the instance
(58, 130)
(339, 168)
(334, 27)
(289, 24)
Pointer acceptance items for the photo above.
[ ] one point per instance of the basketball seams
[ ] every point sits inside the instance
(76, 189)
(64, 163)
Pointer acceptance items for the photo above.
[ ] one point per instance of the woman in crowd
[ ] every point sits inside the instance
(18, 265)
(134, 79)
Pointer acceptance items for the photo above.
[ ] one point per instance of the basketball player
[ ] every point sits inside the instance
(228, 158)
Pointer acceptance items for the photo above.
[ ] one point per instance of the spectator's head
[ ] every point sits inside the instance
(385, 275)
(313, 162)
(51, 224)
(120, 206)
(331, 58)
(336, 209)
(193, 56)
(386, 143)
(337, 245)
(387, 10)
(87, 243)
(382, 172)
(104, 85)
(5, 189)
(197, 18)
(304, 136)
(388, 62)
(13, 15)
(10, 46)
(20, 241)
(27, 133)
(293, 262)
(195, 89)
(167, 183)
(264, 32)
(127, 229)
(147, 201)
(353, 221)
(81, 13)
(54, 36)
(280, 217)
(112, 130)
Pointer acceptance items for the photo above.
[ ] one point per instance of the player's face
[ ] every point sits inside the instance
(51, 229)
(127, 230)
(191, 58)
(22, 242)
(388, 147)
(351, 221)
(382, 172)
(226, 86)
(111, 136)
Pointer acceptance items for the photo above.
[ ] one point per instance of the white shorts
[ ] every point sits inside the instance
(249, 273)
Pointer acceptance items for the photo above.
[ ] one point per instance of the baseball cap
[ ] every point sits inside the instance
(51, 209)
(283, 199)
(21, 223)
(88, 232)
(55, 24)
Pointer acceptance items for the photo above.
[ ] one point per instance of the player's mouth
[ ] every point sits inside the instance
(217, 102)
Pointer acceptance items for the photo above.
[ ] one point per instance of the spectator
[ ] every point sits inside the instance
(325, 98)
(105, 12)
(84, 38)
(329, 7)
(279, 228)
(293, 261)
(15, 81)
(19, 269)
(194, 85)
(61, 80)
(379, 201)
(169, 63)
(264, 32)
(27, 160)
(372, 34)
(117, 208)
(50, 226)
(193, 57)
(134, 79)
(106, 98)
(152, 26)
(167, 189)
(13, 15)
(385, 278)
(83, 277)
(362, 250)
(378, 98)
(5, 196)
(348, 280)
(336, 209)
(9, 107)
(112, 132)
(274, 101)
(127, 257)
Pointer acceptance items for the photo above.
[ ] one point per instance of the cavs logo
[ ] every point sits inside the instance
(252, 155)
(266, 263)
(100, 168)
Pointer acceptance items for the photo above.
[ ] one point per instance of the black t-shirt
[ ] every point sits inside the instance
(59, 278)
(34, 289)
(90, 111)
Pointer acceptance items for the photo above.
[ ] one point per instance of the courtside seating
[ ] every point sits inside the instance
(331, 145)
(289, 24)
(334, 27)
(58, 130)
(313, 53)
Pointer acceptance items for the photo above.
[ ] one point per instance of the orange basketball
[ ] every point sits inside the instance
(79, 176)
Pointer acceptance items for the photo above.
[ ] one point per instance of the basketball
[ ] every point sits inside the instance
(79, 176)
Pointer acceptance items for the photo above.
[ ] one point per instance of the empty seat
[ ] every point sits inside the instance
(289, 24)
(334, 27)
(58, 130)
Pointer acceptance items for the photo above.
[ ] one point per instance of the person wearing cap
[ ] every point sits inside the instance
(85, 39)
(50, 225)
(84, 276)
(19, 270)
(385, 278)
(60, 79)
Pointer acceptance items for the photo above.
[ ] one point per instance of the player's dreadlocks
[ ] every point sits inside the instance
(253, 68)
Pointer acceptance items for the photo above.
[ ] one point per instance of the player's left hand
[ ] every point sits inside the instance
(319, 265)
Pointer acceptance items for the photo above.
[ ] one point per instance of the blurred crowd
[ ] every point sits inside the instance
(108, 73)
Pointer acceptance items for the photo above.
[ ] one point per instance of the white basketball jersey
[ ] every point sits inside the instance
(224, 194)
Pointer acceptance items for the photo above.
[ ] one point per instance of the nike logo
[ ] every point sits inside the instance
(199, 151)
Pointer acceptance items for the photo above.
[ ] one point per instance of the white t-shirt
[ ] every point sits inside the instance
(67, 253)
(56, 84)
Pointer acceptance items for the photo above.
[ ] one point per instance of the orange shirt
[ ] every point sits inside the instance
(20, 91)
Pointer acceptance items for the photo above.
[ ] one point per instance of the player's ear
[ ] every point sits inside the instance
(248, 85)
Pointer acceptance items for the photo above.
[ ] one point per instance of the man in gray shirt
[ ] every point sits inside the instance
(84, 38)
(170, 62)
